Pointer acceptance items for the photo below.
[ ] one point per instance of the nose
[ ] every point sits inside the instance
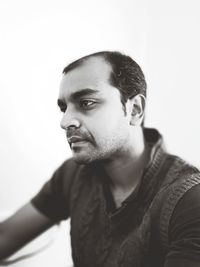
(68, 121)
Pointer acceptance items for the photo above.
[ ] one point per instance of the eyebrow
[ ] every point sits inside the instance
(77, 95)
(83, 92)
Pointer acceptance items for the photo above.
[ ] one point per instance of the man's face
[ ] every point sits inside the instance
(93, 116)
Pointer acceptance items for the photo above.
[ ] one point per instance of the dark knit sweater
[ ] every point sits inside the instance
(142, 232)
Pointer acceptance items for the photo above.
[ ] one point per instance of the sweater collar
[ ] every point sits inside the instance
(157, 153)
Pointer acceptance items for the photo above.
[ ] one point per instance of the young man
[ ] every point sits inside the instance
(130, 202)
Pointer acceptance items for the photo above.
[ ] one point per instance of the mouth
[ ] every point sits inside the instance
(76, 140)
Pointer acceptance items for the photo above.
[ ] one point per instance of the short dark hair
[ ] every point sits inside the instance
(126, 74)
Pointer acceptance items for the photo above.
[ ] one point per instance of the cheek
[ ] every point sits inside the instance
(107, 119)
(107, 126)
(110, 116)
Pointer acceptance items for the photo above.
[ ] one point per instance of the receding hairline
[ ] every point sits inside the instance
(125, 73)
(83, 60)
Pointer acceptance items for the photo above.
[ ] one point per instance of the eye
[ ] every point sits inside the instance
(86, 103)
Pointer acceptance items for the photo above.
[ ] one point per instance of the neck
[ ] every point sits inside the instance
(125, 170)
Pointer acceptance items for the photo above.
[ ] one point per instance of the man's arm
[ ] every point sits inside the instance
(19, 229)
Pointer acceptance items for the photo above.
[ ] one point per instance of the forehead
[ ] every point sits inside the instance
(94, 73)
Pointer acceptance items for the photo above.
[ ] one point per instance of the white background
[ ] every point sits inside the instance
(39, 38)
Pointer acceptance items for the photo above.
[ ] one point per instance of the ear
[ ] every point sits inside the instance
(138, 107)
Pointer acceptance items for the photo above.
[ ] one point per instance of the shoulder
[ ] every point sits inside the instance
(184, 227)
(187, 210)
(180, 178)
(68, 166)
(73, 177)
(187, 190)
(68, 170)
(178, 193)
(63, 178)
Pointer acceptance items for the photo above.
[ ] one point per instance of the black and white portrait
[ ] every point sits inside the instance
(99, 135)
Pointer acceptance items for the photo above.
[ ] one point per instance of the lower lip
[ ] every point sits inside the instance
(79, 143)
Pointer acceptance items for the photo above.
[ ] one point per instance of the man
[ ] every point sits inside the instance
(129, 201)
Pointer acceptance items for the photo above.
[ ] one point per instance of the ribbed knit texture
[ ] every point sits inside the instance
(175, 193)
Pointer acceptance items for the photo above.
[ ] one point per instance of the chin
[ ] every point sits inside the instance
(82, 159)
(88, 157)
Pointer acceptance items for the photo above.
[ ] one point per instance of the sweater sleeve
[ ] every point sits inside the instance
(53, 198)
(184, 231)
